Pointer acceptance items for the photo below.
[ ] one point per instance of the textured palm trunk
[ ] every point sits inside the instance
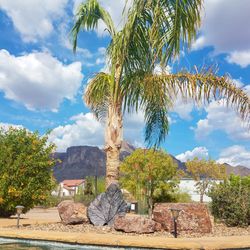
(113, 141)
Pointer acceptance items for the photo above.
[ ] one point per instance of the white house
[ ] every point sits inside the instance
(69, 187)
(188, 185)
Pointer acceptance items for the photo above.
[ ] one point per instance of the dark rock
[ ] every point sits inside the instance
(136, 224)
(79, 162)
(194, 217)
(106, 206)
(72, 213)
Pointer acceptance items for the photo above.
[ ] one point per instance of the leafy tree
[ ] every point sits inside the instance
(154, 33)
(204, 172)
(25, 170)
(231, 201)
(87, 194)
(145, 173)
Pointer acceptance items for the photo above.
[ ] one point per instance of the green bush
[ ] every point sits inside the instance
(25, 170)
(87, 195)
(231, 201)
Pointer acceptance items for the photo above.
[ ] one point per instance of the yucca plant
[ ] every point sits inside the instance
(154, 33)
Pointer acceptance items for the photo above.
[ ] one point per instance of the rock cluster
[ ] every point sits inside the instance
(109, 208)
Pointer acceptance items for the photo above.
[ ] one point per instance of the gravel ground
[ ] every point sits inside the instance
(219, 230)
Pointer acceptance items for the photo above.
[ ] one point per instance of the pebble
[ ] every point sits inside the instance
(219, 230)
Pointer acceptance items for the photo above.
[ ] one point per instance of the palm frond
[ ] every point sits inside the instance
(154, 32)
(87, 17)
(203, 87)
(97, 95)
(150, 97)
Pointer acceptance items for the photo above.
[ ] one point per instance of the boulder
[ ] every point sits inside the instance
(106, 206)
(193, 218)
(136, 224)
(72, 213)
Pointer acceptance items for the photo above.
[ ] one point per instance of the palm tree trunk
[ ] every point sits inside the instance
(113, 141)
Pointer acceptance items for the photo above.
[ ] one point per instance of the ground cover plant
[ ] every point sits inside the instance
(25, 170)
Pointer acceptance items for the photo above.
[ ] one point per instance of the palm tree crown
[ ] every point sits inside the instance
(153, 34)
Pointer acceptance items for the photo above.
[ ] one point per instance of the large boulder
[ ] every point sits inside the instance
(72, 213)
(106, 206)
(136, 224)
(193, 218)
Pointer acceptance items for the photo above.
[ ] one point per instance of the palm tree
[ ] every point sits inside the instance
(154, 33)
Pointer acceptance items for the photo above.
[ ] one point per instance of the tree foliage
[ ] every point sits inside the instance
(25, 170)
(204, 172)
(148, 174)
(231, 201)
(154, 33)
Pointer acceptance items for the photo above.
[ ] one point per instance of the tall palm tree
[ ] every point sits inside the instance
(154, 33)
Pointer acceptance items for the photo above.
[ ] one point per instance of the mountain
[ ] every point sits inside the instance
(78, 162)
(238, 170)
(81, 161)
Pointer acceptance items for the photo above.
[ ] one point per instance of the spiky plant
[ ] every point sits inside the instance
(154, 33)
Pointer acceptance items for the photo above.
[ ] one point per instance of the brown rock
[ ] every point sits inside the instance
(72, 213)
(136, 224)
(193, 218)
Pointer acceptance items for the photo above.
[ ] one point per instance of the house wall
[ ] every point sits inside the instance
(61, 191)
(188, 185)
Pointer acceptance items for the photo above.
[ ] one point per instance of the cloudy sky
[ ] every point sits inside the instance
(42, 81)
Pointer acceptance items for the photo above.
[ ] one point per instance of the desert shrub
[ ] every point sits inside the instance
(182, 197)
(51, 201)
(231, 201)
(25, 170)
(87, 194)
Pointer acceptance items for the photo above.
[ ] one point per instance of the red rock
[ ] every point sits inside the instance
(194, 217)
(72, 213)
(136, 224)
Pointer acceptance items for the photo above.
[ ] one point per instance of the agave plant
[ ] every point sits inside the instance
(153, 34)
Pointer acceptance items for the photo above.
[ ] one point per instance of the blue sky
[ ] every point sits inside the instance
(42, 81)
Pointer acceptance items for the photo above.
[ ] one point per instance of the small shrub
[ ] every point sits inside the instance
(231, 201)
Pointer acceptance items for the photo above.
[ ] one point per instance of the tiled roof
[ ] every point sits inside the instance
(72, 183)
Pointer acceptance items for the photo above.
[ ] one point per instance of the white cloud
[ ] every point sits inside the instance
(235, 155)
(225, 27)
(183, 108)
(199, 43)
(7, 126)
(221, 118)
(241, 58)
(38, 80)
(200, 152)
(33, 18)
(86, 130)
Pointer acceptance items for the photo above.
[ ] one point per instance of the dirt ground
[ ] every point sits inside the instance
(34, 216)
(44, 224)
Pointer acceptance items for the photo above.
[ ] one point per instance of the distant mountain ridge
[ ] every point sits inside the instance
(81, 161)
